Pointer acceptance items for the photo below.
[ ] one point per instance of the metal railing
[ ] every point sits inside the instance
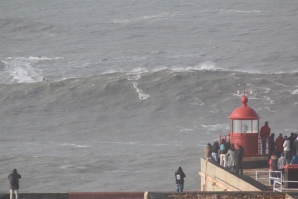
(277, 186)
(270, 177)
(277, 181)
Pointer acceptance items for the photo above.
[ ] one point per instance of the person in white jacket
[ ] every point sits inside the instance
(286, 146)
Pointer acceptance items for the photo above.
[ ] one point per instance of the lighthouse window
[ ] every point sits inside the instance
(237, 126)
(255, 126)
(246, 126)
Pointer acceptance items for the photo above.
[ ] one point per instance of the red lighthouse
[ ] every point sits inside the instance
(244, 128)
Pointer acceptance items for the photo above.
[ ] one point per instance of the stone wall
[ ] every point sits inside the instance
(219, 195)
(39, 196)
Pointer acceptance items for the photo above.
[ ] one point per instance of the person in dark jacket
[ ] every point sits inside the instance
(271, 144)
(296, 145)
(223, 153)
(264, 134)
(240, 156)
(180, 175)
(215, 148)
(14, 183)
(279, 144)
(292, 148)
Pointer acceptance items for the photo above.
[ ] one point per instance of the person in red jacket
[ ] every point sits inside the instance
(264, 134)
(279, 144)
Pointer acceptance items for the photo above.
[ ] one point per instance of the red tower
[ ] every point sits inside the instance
(244, 128)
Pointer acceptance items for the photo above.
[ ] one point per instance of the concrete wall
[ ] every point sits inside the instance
(217, 178)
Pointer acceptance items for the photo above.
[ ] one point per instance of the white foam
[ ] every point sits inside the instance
(147, 18)
(265, 109)
(68, 166)
(21, 71)
(143, 144)
(186, 129)
(142, 95)
(295, 92)
(216, 127)
(195, 101)
(239, 11)
(123, 171)
(71, 166)
(44, 58)
(75, 145)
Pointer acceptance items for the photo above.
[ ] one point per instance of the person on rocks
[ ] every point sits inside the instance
(14, 183)
(180, 175)
(240, 156)
(287, 151)
(273, 166)
(214, 154)
(207, 152)
(264, 134)
(279, 144)
(282, 161)
(271, 144)
(232, 155)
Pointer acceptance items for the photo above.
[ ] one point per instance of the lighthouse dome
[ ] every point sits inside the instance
(244, 112)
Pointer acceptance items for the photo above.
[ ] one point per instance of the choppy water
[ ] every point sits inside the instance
(136, 89)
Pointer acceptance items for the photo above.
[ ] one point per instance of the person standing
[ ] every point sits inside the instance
(279, 144)
(273, 166)
(180, 175)
(282, 161)
(264, 134)
(296, 145)
(240, 156)
(14, 183)
(271, 144)
(214, 154)
(223, 153)
(207, 152)
(287, 151)
(292, 148)
(232, 155)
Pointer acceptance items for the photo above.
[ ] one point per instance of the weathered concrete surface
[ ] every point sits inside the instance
(217, 178)
(219, 195)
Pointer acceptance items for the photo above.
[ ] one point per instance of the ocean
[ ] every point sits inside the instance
(116, 95)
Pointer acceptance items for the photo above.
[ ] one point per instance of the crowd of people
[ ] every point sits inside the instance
(288, 146)
(225, 154)
(281, 151)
